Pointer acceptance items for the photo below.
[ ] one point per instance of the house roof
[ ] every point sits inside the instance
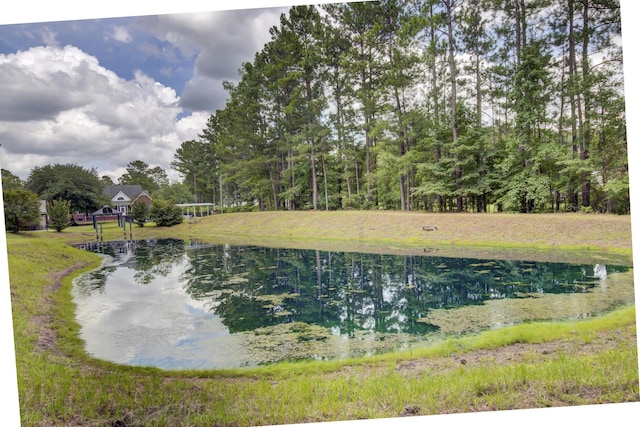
(106, 210)
(131, 191)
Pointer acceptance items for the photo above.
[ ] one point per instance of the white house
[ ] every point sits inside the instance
(123, 196)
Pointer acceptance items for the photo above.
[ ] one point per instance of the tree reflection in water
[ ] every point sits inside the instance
(253, 287)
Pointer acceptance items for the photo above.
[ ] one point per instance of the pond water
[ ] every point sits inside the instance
(177, 304)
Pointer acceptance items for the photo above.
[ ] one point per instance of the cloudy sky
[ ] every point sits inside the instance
(103, 92)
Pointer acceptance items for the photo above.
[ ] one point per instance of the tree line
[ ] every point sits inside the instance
(430, 105)
(436, 105)
(67, 188)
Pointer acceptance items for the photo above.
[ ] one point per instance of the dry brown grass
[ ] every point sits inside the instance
(386, 231)
(537, 237)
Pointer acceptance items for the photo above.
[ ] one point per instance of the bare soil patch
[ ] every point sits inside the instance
(44, 322)
(519, 353)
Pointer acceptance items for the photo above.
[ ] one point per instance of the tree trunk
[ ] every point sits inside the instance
(326, 186)
(585, 141)
(573, 102)
(449, 4)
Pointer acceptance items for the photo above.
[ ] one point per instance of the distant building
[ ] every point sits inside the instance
(123, 196)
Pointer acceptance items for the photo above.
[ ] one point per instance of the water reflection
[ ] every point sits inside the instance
(216, 299)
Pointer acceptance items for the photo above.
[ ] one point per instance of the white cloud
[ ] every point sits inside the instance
(49, 37)
(189, 127)
(220, 43)
(39, 83)
(62, 106)
(121, 34)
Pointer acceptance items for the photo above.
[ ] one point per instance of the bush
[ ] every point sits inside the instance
(59, 212)
(165, 213)
(21, 210)
(140, 212)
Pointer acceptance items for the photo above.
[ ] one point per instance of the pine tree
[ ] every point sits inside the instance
(59, 214)
(140, 212)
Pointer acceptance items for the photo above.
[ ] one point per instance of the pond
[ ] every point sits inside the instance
(177, 304)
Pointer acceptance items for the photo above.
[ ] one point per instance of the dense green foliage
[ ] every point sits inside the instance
(140, 212)
(178, 191)
(21, 209)
(424, 105)
(150, 179)
(106, 180)
(59, 214)
(11, 181)
(165, 213)
(79, 186)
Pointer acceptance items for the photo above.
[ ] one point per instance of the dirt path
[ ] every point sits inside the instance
(519, 353)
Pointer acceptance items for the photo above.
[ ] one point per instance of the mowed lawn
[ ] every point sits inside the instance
(535, 230)
(391, 228)
(539, 237)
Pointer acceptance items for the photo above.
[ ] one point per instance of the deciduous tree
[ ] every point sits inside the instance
(79, 186)
(140, 173)
(21, 209)
(11, 181)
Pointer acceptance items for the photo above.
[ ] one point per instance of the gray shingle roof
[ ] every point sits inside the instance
(132, 191)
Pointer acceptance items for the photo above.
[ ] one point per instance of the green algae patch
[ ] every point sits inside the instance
(300, 341)
(616, 290)
(237, 279)
(275, 300)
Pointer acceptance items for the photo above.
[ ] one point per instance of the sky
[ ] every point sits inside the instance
(104, 92)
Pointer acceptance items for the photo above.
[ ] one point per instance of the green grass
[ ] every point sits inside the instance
(524, 366)
(538, 237)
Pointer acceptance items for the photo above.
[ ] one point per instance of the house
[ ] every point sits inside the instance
(121, 197)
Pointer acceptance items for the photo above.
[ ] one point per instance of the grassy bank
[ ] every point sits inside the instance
(544, 237)
(542, 231)
(525, 366)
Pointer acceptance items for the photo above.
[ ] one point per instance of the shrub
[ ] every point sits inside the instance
(21, 210)
(165, 213)
(140, 212)
(59, 212)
